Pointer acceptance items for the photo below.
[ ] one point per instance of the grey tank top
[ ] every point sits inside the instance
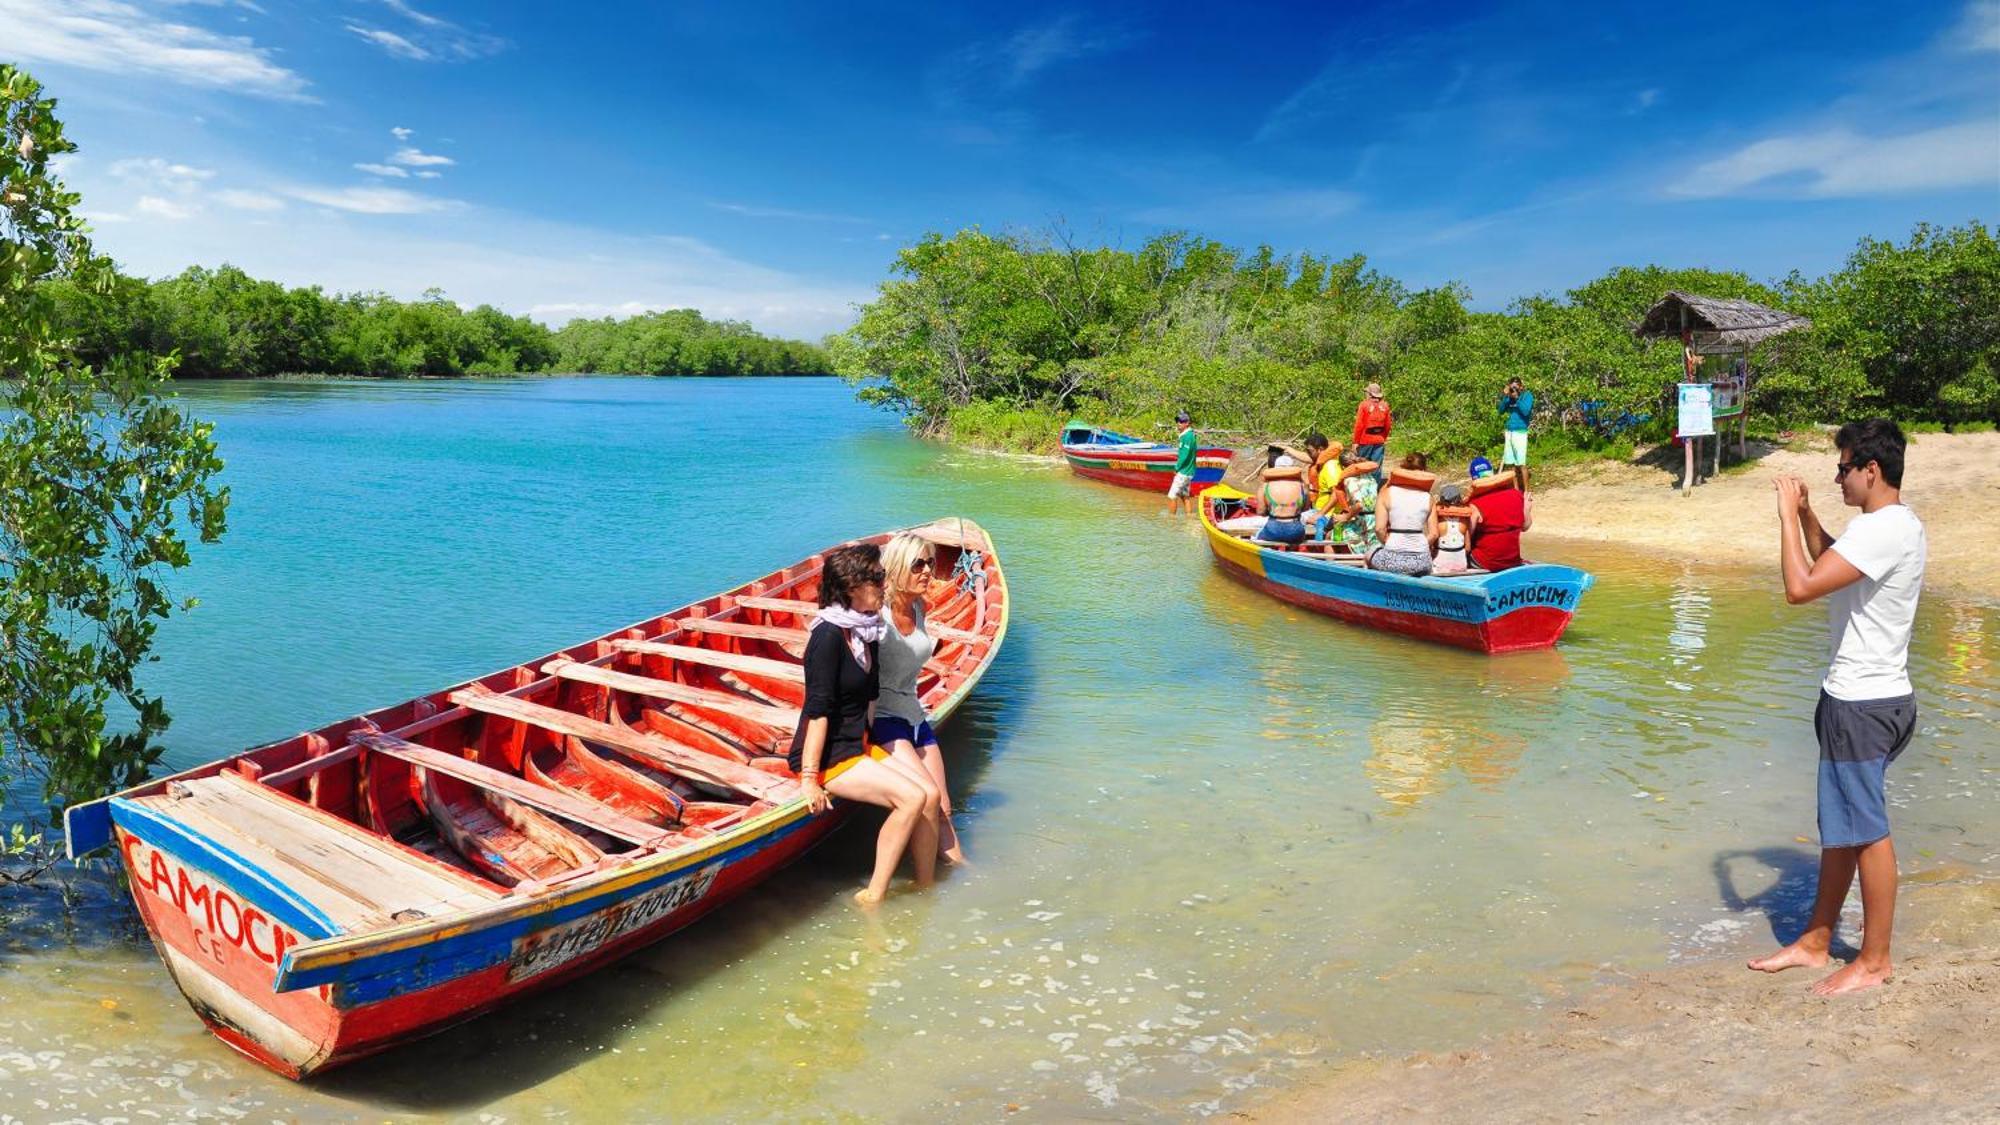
(903, 657)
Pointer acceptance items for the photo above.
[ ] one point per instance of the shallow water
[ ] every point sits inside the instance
(1213, 836)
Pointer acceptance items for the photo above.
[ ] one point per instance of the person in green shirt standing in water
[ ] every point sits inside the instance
(1516, 407)
(1184, 463)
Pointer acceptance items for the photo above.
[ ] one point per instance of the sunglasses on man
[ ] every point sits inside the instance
(1842, 468)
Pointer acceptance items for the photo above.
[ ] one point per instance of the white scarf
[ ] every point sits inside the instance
(862, 629)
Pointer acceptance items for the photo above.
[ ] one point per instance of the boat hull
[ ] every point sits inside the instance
(218, 945)
(1131, 463)
(278, 978)
(1515, 610)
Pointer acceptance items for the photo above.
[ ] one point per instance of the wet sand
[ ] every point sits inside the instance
(1951, 481)
(1715, 1041)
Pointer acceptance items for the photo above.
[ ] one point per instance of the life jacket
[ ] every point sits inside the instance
(1497, 541)
(1493, 483)
(1455, 527)
(1371, 422)
(1413, 478)
(1318, 488)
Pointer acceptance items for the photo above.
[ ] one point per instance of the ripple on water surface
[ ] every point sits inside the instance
(1213, 835)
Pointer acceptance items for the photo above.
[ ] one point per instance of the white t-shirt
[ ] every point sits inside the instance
(1871, 619)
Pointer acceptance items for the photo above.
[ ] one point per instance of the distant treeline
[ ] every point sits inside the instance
(995, 340)
(225, 324)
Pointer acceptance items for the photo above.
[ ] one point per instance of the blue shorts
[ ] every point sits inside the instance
(889, 729)
(1282, 531)
(1857, 741)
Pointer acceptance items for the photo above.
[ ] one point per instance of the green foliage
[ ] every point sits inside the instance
(680, 342)
(975, 336)
(100, 482)
(224, 324)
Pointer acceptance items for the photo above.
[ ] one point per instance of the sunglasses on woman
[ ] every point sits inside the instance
(921, 564)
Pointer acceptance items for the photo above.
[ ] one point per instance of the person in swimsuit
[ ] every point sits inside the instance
(843, 676)
(900, 725)
(1354, 523)
(1456, 525)
(1284, 501)
(1407, 523)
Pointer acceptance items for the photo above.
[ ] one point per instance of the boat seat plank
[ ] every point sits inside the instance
(708, 698)
(359, 881)
(668, 756)
(792, 641)
(711, 658)
(590, 814)
(778, 605)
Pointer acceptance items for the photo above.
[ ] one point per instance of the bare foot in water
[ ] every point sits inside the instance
(1856, 977)
(868, 898)
(1791, 957)
(955, 857)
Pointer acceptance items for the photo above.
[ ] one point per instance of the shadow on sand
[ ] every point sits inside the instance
(1787, 903)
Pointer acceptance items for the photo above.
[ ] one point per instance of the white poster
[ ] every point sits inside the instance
(1697, 412)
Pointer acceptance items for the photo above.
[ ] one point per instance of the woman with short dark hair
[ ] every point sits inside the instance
(829, 749)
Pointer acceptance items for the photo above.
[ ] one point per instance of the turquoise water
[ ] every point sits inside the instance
(1213, 836)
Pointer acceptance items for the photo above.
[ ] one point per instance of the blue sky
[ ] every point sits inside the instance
(764, 161)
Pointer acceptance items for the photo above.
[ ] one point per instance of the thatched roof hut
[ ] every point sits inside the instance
(1718, 323)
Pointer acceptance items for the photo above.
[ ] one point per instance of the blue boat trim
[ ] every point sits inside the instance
(87, 827)
(243, 878)
(1474, 598)
(368, 980)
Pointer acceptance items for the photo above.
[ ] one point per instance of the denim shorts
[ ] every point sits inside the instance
(1857, 741)
(1282, 531)
(889, 729)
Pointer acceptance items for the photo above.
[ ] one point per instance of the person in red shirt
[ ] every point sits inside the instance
(1371, 427)
(1503, 515)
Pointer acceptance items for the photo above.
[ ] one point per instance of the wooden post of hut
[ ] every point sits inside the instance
(1710, 327)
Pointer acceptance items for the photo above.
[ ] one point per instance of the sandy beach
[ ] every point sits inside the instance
(1951, 481)
(1717, 1042)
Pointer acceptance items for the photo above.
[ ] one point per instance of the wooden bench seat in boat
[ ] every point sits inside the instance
(713, 658)
(705, 698)
(358, 879)
(779, 634)
(658, 752)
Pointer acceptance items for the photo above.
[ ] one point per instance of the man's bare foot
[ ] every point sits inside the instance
(1792, 956)
(868, 897)
(1856, 977)
(955, 857)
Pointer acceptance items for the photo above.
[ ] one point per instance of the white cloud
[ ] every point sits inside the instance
(428, 38)
(165, 208)
(249, 200)
(401, 133)
(391, 42)
(1645, 99)
(370, 200)
(417, 158)
(384, 170)
(160, 174)
(1838, 162)
(755, 211)
(425, 175)
(1979, 28)
(119, 38)
(554, 270)
(97, 217)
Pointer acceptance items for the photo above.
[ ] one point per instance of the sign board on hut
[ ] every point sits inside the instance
(1697, 411)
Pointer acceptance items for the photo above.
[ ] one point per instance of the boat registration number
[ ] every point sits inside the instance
(538, 952)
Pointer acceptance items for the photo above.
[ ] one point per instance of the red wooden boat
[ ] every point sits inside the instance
(348, 889)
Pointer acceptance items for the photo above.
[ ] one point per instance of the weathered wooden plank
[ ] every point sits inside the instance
(590, 814)
(678, 693)
(778, 605)
(710, 658)
(658, 752)
(281, 778)
(791, 640)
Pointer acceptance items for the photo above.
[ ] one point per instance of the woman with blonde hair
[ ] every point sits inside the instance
(900, 725)
(843, 671)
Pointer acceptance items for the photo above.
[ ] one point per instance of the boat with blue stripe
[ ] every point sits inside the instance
(352, 888)
(1526, 607)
